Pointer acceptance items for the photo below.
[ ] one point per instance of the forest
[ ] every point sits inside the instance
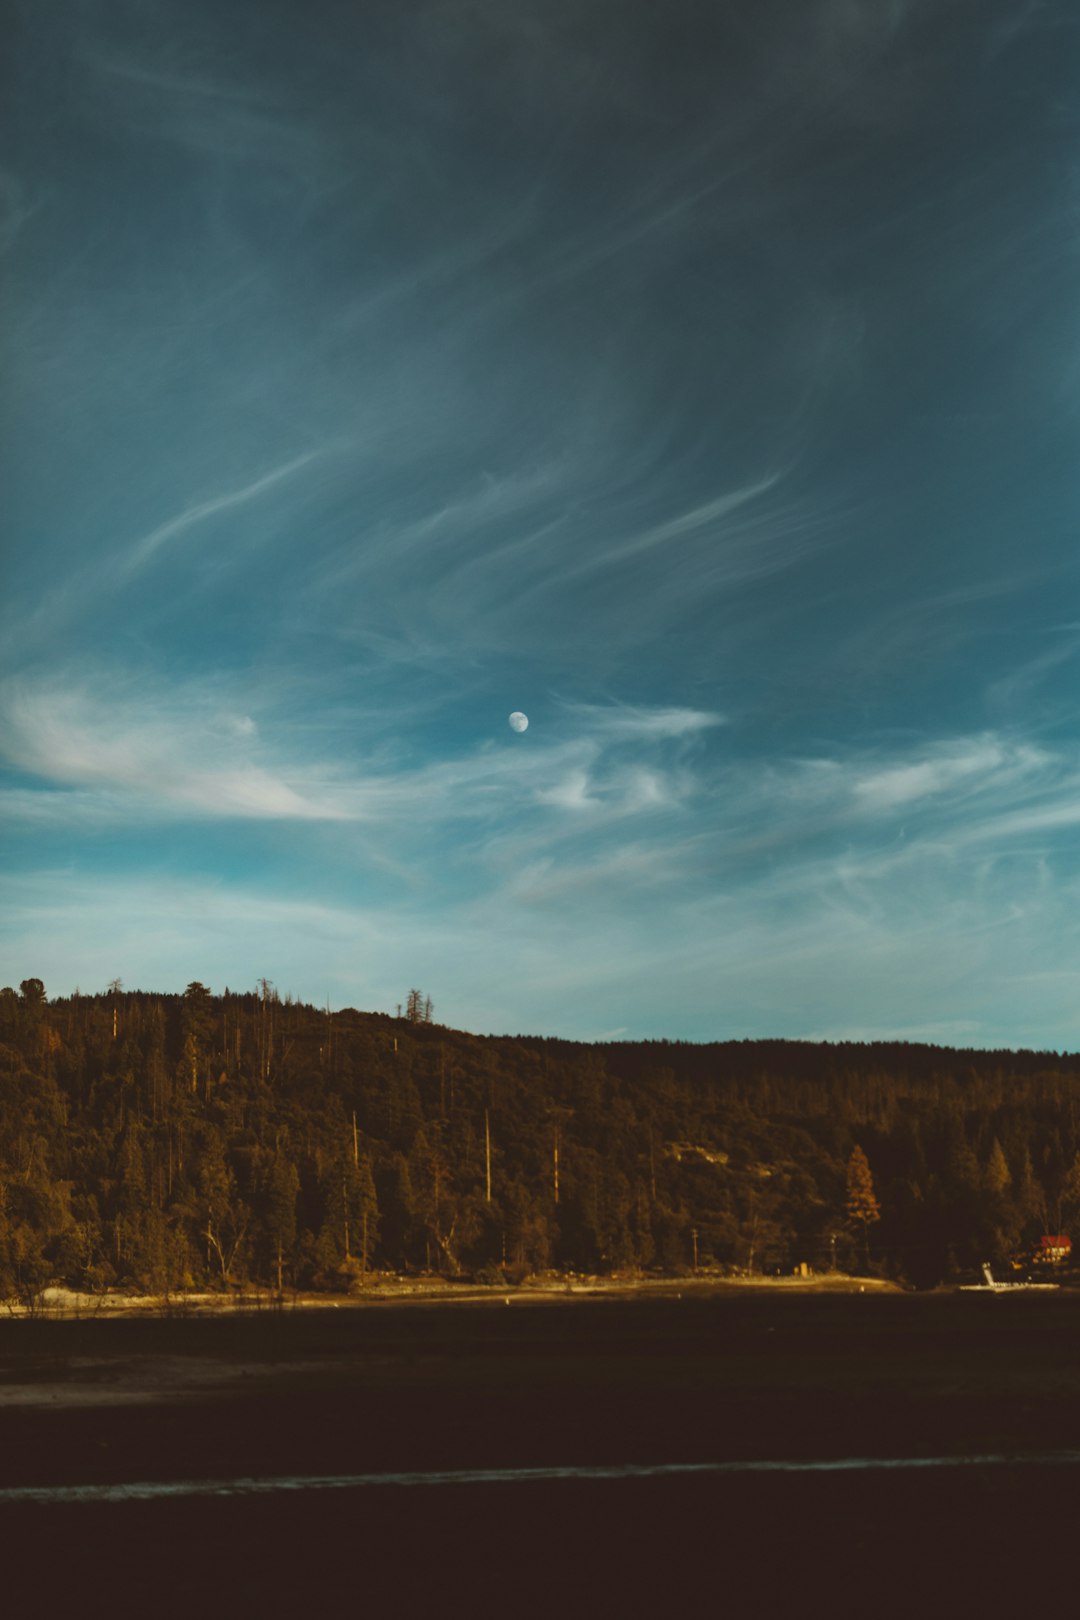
(195, 1141)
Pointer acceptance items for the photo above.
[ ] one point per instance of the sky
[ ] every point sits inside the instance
(702, 380)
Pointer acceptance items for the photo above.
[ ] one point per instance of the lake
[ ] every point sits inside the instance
(723, 1453)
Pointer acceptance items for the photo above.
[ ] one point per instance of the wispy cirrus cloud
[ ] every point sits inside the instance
(639, 722)
(198, 751)
(195, 750)
(542, 951)
(922, 893)
(704, 387)
(979, 765)
(15, 209)
(140, 552)
(142, 751)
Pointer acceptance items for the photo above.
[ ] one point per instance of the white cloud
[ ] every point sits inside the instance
(133, 749)
(242, 724)
(1036, 818)
(909, 950)
(610, 861)
(635, 722)
(645, 789)
(941, 772)
(572, 793)
(165, 749)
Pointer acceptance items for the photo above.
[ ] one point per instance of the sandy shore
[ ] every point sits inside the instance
(58, 1302)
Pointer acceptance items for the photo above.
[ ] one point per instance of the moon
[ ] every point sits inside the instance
(519, 721)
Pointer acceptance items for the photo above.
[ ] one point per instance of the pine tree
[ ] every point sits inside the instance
(368, 1221)
(282, 1191)
(418, 1008)
(1070, 1191)
(997, 1176)
(861, 1204)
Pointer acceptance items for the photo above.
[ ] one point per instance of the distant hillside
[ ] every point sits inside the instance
(199, 1140)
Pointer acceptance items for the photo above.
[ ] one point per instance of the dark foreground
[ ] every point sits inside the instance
(606, 1383)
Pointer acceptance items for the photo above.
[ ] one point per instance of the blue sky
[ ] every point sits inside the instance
(701, 380)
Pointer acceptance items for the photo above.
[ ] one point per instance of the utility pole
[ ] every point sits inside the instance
(558, 1116)
(487, 1158)
(355, 1142)
(693, 1235)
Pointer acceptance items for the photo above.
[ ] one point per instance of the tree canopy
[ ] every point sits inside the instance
(169, 1142)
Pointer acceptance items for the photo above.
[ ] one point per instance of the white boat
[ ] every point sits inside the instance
(989, 1286)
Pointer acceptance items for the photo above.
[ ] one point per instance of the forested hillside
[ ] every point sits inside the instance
(188, 1141)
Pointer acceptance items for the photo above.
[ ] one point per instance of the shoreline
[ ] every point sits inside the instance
(66, 1304)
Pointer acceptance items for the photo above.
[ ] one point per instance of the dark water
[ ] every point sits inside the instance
(985, 1537)
(277, 1485)
(842, 1457)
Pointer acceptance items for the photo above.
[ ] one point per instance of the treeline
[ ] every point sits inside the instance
(176, 1142)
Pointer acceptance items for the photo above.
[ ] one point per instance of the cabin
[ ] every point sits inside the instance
(1053, 1251)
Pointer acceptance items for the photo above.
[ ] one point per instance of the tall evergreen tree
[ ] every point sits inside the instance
(861, 1203)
